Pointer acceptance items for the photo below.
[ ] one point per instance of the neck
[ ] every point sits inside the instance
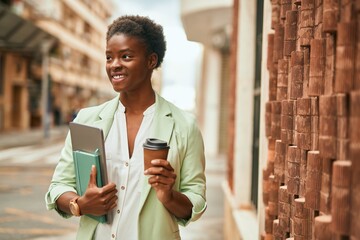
(137, 103)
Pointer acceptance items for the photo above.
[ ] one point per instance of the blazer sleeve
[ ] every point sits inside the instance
(192, 174)
(63, 178)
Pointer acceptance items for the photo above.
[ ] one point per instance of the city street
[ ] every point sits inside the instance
(25, 173)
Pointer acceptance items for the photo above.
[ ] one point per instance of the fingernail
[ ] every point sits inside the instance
(146, 171)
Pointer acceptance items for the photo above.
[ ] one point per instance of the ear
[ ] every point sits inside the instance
(153, 59)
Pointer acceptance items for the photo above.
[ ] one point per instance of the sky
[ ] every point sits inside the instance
(182, 60)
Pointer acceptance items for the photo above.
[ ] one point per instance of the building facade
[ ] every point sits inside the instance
(48, 82)
(292, 115)
(228, 97)
(209, 23)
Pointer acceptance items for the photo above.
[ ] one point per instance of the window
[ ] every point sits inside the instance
(257, 94)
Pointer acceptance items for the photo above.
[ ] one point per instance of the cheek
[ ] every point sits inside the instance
(107, 68)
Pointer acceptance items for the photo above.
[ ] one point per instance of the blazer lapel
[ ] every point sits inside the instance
(106, 116)
(162, 128)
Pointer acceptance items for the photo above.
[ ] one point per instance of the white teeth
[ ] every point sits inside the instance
(118, 76)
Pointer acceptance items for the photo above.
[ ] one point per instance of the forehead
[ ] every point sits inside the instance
(125, 41)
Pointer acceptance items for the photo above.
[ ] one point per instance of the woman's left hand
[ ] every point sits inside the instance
(162, 179)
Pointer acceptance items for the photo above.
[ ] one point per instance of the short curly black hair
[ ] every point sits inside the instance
(143, 28)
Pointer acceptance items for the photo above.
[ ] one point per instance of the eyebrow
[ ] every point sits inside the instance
(121, 51)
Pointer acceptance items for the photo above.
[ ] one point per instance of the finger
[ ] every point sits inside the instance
(109, 201)
(106, 194)
(113, 205)
(109, 188)
(162, 186)
(163, 163)
(92, 181)
(161, 180)
(112, 200)
(161, 171)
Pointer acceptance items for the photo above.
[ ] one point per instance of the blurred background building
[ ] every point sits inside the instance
(209, 22)
(52, 60)
(228, 95)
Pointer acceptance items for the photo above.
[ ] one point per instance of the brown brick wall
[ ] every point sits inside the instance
(311, 184)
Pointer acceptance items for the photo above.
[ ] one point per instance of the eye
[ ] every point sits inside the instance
(126, 57)
(108, 58)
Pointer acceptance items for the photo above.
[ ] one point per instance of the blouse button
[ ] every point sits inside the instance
(122, 187)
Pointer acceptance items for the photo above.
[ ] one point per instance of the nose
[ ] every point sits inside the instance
(116, 63)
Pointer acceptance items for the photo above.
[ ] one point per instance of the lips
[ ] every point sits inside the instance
(117, 76)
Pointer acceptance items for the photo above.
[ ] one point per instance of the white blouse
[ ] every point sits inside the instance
(127, 174)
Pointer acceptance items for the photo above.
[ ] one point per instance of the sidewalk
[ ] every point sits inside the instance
(30, 137)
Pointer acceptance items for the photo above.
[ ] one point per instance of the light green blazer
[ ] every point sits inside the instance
(186, 156)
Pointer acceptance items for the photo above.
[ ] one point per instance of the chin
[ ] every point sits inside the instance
(117, 85)
(117, 89)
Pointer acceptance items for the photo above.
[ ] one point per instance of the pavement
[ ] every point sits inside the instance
(209, 226)
(31, 137)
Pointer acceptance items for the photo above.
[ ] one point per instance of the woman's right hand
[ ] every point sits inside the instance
(97, 201)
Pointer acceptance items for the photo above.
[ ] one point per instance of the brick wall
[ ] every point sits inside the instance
(311, 183)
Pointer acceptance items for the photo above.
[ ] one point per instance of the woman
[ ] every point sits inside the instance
(140, 205)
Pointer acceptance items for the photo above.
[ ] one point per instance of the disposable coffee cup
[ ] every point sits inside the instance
(154, 149)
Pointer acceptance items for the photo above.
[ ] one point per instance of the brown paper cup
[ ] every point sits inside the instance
(153, 154)
(154, 149)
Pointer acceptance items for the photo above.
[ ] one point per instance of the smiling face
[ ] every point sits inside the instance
(128, 64)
